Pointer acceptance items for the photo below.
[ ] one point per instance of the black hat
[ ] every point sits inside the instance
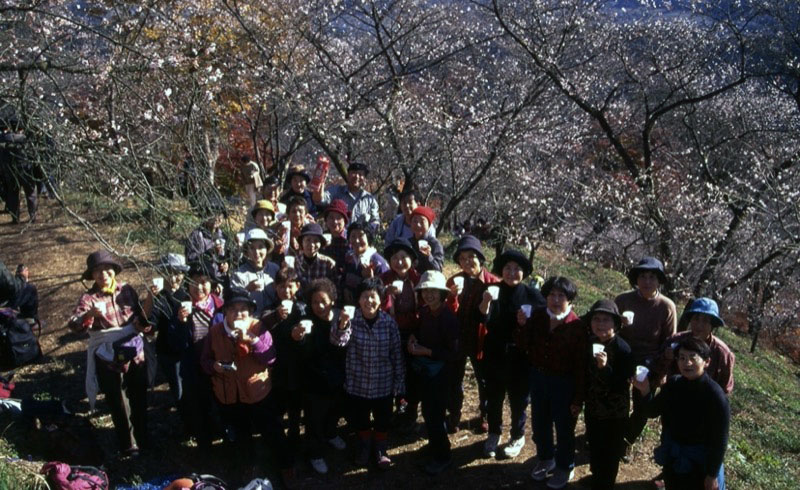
(299, 170)
(469, 242)
(357, 167)
(203, 267)
(100, 257)
(238, 295)
(604, 306)
(647, 264)
(399, 244)
(313, 229)
(513, 256)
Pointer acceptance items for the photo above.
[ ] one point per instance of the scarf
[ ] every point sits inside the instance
(560, 317)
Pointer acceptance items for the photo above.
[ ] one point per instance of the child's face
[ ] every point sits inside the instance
(287, 290)
(335, 223)
(408, 204)
(557, 301)
(603, 326)
(297, 215)
(321, 304)
(236, 311)
(358, 241)
(270, 192)
(174, 280)
(370, 302)
(701, 326)
(690, 364)
(470, 263)
(419, 225)
(432, 298)
(257, 252)
(401, 263)
(199, 288)
(311, 245)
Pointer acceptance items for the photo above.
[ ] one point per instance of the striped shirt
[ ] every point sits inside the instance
(374, 362)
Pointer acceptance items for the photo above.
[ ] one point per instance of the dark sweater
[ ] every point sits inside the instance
(321, 363)
(608, 392)
(694, 413)
(438, 332)
(501, 321)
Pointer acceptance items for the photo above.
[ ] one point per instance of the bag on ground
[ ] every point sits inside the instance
(61, 476)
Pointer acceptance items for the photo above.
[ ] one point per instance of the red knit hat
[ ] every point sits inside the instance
(425, 212)
(338, 206)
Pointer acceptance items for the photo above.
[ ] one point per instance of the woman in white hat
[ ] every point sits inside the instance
(434, 347)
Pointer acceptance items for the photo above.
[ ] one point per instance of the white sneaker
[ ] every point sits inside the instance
(490, 446)
(320, 466)
(542, 468)
(337, 443)
(514, 447)
(560, 478)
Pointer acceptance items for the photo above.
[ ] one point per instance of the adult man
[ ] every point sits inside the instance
(362, 205)
(251, 175)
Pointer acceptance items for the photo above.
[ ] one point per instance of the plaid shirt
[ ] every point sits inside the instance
(374, 364)
(119, 307)
(316, 268)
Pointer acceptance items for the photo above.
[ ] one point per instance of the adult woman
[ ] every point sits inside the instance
(555, 342)
(654, 321)
(374, 372)
(464, 300)
(608, 393)
(106, 310)
(236, 355)
(695, 417)
(506, 367)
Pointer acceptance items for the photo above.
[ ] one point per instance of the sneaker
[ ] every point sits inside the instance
(542, 469)
(490, 446)
(514, 447)
(436, 467)
(383, 460)
(560, 478)
(337, 443)
(319, 465)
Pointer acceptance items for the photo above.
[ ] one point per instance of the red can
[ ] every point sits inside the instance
(320, 173)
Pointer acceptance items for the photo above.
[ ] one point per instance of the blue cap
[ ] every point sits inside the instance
(706, 306)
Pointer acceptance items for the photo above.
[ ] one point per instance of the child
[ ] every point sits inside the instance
(374, 372)
(400, 227)
(322, 370)
(433, 347)
(608, 393)
(401, 304)
(286, 373)
(695, 418)
(254, 275)
(362, 261)
(311, 264)
(336, 219)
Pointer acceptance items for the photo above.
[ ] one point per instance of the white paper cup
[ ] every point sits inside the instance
(327, 237)
(289, 260)
(101, 306)
(288, 304)
(158, 282)
(494, 291)
(220, 242)
(259, 284)
(629, 316)
(287, 224)
(597, 348)
(306, 324)
(187, 305)
(350, 310)
(459, 282)
(527, 309)
(240, 238)
(364, 260)
(422, 244)
(398, 285)
(641, 373)
(241, 324)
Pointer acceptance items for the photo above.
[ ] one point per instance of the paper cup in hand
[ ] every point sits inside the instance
(350, 310)
(327, 237)
(289, 260)
(101, 307)
(641, 373)
(241, 324)
(494, 291)
(287, 225)
(459, 282)
(158, 283)
(306, 324)
(422, 244)
(288, 304)
(597, 348)
(240, 238)
(629, 316)
(398, 285)
(187, 305)
(527, 310)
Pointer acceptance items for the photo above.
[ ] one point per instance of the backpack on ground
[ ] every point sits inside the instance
(61, 476)
(198, 482)
(18, 343)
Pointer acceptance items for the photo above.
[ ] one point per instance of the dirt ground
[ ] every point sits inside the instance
(55, 251)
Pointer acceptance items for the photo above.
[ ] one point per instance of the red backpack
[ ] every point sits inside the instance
(62, 476)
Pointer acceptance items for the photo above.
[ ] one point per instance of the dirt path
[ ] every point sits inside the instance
(55, 251)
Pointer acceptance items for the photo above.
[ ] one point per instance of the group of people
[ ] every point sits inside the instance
(315, 325)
